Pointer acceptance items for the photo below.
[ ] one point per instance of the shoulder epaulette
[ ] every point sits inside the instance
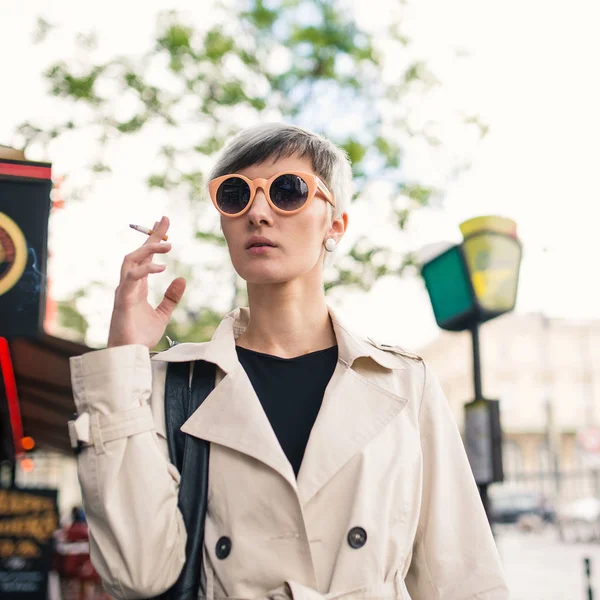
(396, 350)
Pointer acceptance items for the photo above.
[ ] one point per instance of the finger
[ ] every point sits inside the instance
(136, 273)
(142, 255)
(152, 237)
(159, 230)
(172, 297)
(139, 255)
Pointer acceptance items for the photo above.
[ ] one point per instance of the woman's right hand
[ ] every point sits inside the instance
(133, 320)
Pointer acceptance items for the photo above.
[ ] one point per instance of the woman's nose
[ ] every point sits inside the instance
(260, 212)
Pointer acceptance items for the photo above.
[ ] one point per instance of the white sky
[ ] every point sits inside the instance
(530, 74)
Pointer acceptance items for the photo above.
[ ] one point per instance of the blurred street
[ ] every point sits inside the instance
(539, 567)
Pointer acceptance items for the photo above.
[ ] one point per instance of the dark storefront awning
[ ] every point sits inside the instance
(44, 387)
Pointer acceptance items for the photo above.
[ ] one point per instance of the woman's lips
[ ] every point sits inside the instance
(260, 249)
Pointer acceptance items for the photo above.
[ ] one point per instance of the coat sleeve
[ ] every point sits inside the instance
(129, 487)
(454, 554)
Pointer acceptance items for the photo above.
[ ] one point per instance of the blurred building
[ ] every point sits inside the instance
(546, 374)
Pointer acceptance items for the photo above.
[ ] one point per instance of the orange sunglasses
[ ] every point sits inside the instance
(288, 193)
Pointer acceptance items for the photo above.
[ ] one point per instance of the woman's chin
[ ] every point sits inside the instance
(266, 279)
(266, 272)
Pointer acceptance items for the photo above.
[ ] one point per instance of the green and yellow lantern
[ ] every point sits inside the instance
(476, 280)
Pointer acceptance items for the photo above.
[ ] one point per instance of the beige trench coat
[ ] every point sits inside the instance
(384, 455)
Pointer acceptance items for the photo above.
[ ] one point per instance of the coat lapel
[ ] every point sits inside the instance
(232, 414)
(353, 412)
(358, 403)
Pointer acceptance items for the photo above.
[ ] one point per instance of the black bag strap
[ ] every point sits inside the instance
(190, 455)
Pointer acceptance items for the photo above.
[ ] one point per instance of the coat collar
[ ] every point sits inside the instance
(221, 349)
(354, 408)
(354, 411)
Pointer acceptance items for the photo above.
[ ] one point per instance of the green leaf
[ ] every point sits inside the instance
(389, 150)
(168, 151)
(134, 124)
(65, 84)
(87, 41)
(70, 318)
(402, 216)
(165, 181)
(214, 238)
(260, 16)
(176, 39)
(247, 58)
(195, 178)
(346, 277)
(414, 72)
(258, 103)
(420, 194)
(231, 93)
(43, 28)
(475, 120)
(355, 150)
(133, 80)
(157, 181)
(199, 327)
(209, 146)
(217, 45)
(396, 34)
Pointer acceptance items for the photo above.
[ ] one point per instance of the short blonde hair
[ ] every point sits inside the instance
(279, 140)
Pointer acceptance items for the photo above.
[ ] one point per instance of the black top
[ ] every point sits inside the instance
(291, 392)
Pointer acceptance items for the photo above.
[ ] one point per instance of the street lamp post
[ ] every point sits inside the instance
(468, 284)
(478, 389)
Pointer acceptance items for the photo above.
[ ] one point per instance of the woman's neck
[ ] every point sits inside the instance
(286, 322)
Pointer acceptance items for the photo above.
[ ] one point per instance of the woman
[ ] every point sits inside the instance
(336, 470)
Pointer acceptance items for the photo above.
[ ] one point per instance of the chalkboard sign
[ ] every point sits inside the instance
(28, 521)
(24, 209)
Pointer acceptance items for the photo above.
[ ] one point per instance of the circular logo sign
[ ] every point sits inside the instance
(13, 253)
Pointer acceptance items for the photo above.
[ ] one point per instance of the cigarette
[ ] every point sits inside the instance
(146, 231)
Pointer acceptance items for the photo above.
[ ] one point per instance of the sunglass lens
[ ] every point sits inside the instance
(289, 192)
(233, 195)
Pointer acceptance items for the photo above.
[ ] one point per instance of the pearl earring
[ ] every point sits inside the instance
(330, 245)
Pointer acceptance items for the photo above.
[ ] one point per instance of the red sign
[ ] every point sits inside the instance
(12, 399)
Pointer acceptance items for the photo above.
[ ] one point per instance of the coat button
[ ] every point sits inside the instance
(223, 548)
(357, 537)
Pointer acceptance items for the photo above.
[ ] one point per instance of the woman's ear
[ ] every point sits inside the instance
(338, 228)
